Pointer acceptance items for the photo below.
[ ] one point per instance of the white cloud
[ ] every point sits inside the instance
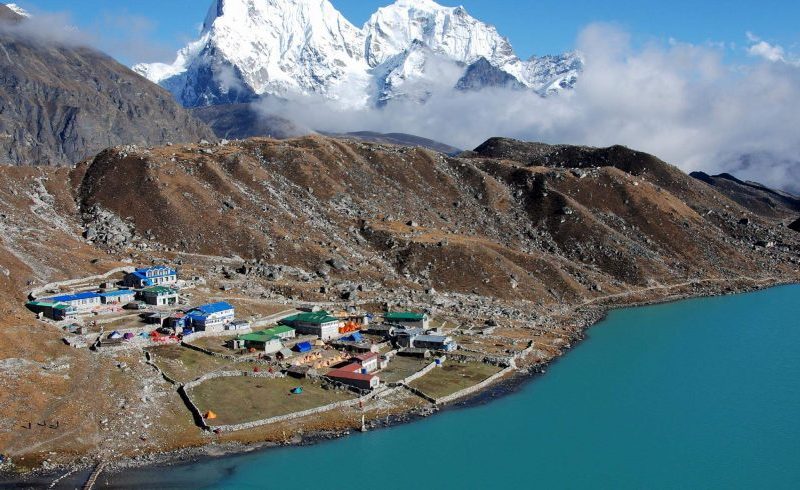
(762, 49)
(679, 101)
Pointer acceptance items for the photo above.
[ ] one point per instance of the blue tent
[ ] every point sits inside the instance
(353, 337)
(297, 390)
(302, 347)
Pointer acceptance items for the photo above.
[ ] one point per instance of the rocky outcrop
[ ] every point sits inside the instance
(754, 196)
(62, 103)
(483, 74)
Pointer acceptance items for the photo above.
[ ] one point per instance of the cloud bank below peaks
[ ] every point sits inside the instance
(681, 102)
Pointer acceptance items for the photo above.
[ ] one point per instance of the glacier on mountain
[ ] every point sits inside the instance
(407, 50)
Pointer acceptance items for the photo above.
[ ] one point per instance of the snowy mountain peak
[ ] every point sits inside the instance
(250, 48)
(18, 10)
(450, 31)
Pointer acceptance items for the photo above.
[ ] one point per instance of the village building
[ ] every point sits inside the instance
(319, 323)
(352, 375)
(416, 338)
(434, 342)
(119, 296)
(405, 336)
(159, 296)
(80, 302)
(159, 275)
(407, 319)
(53, 311)
(211, 317)
(268, 341)
(368, 361)
(239, 325)
(257, 341)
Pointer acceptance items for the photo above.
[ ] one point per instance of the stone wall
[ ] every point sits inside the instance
(283, 418)
(474, 389)
(422, 372)
(35, 293)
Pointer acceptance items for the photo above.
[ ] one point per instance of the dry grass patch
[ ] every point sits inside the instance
(244, 399)
(183, 364)
(453, 377)
(401, 367)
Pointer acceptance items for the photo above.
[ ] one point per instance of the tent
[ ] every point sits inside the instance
(210, 415)
(353, 337)
(128, 336)
(297, 391)
(302, 347)
(115, 335)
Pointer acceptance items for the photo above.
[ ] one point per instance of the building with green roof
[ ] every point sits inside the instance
(407, 318)
(319, 323)
(159, 296)
(268, 340)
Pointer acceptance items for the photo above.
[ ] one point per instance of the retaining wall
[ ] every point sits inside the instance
(283, 418)
(422, 372)
(473, 389)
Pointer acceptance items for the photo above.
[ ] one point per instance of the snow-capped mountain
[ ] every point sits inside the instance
(18, 10)
(407, 50)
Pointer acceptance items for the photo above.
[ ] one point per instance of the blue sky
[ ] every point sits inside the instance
(534, 27)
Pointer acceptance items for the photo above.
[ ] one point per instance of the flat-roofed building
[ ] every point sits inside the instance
(407, 318)
(319, 323)
(159, 296)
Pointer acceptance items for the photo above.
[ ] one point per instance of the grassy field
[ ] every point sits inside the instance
(184, 364)
(401, 367)
(214, 344)
(243, 399)
(452, 377)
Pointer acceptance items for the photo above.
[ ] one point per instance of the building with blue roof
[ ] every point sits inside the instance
(159, 275)
(120, 296)
(212, 317)
(84, 301)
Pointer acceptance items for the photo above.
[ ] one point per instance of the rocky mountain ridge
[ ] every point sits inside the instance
(61, 103)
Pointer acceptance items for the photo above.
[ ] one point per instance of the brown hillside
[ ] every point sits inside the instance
(511, 237)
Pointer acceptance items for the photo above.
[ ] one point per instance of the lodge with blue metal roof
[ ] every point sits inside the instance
(117, 297)
(212, 317)
(83, 301)
(159, 275)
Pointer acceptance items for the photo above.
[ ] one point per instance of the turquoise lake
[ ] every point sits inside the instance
(702, 393)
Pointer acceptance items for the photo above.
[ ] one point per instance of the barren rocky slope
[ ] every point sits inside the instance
(756, 197)
(525, 235)
(60, 103)
(564, 225)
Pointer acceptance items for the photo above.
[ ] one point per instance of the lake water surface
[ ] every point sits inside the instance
(703, 393)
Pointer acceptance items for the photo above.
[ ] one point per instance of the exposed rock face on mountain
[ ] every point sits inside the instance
(306, 47)
(482, 74)
(240, 121)
(9, 15)
(60, 104)
(754, 196)
(554, 225)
